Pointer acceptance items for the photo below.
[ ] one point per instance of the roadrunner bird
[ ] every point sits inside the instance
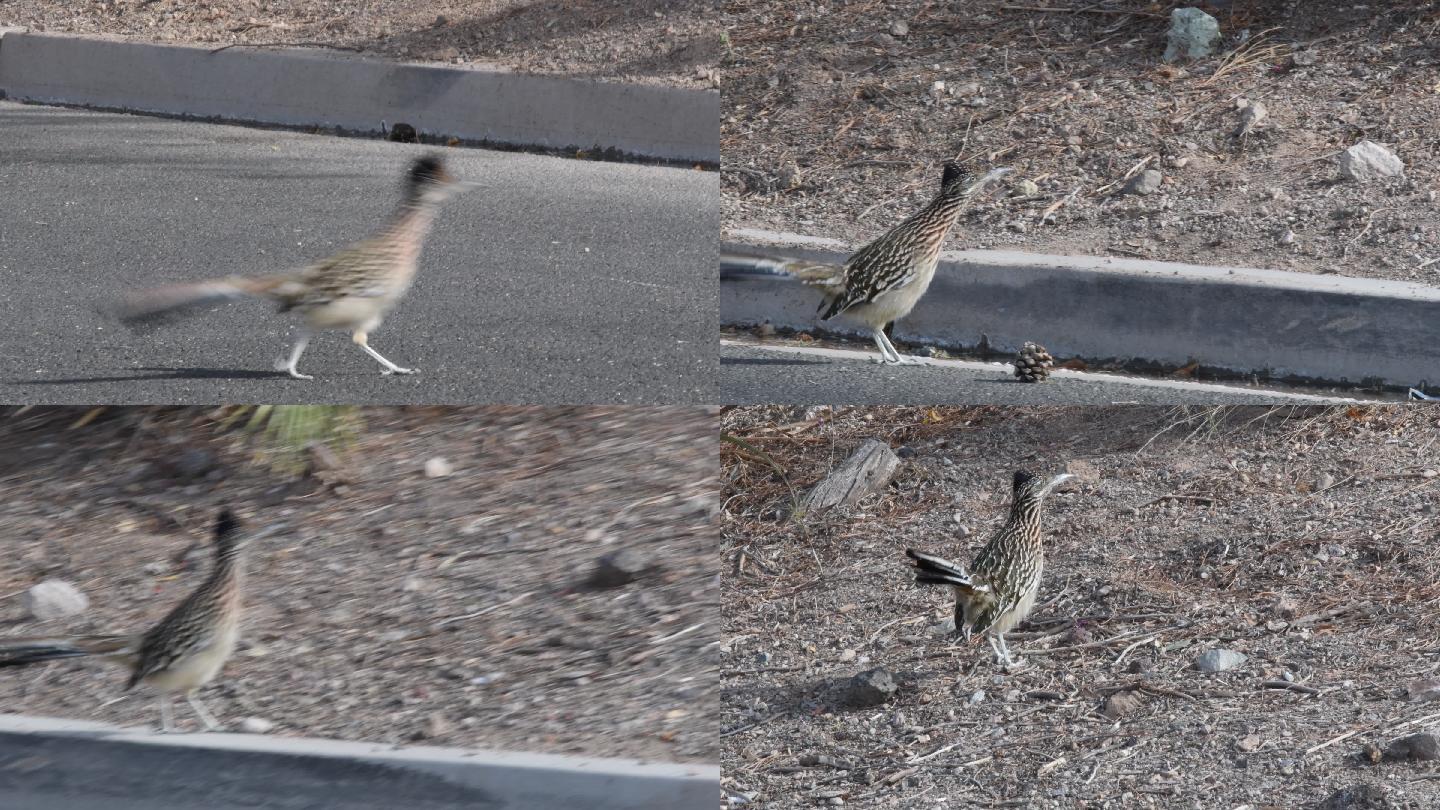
(352, 290)
(180, 654)
(999, 590)
(883, 280)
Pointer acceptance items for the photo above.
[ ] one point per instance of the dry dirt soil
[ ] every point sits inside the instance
(832, 125)
(665, 41)
(1304, 539)
(395, 607)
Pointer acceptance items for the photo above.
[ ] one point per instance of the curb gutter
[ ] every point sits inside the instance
(73, 765)
(1274, 324)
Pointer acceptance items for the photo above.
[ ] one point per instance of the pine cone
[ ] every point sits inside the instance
(1033, 363)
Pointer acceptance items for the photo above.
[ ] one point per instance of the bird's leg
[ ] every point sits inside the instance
(995, 648)
(887, 352)
(1005, 657)
(201, 712)
(167, 714)
(288, 365)
(363, 341)
(893, 356)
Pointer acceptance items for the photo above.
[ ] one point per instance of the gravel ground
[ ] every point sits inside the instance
(662, 41)
(397, 607)
(1305, 539)
(833, 126)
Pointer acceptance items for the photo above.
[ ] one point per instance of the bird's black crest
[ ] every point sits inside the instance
(226, 523)
(954, 173)
(1022, 479)
(428, 169)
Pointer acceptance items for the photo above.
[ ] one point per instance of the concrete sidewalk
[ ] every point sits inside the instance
(70, 765)
(1267, 323)
(296, 87)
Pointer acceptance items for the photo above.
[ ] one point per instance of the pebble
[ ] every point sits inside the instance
(1122, 704)
(1363, 796)
(438, 467)
(54, 599)
(256, 725)
(1219, 660)
(1146, 182)
(899, 28)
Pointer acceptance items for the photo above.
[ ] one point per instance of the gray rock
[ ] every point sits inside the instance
(870, 688)
(1025, 188)
(619, 568)
(1193, 34)
(54, 599)
(1424, 689)
(1367, 160)
(438, 467)
(1423, 746)
(194, 464)
(1251, 114)
(1122, 704)
(1364, 796)
(899, 28)
(1146, 182)
(1219, 660)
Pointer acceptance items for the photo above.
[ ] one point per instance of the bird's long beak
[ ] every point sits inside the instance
(465, 185)
(1055, 482)
(990, 177)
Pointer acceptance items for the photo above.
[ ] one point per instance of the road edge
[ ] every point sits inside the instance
(308, 88)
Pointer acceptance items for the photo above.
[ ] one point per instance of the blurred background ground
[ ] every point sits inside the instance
(1305, 539)
(662, 41)
(434, 583)
(833, 125)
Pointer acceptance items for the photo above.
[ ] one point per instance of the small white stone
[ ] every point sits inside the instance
(1368, 160)
(256, 725)
(438, 467)
(54, 599)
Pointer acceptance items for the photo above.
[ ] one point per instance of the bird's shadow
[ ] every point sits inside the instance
(166, 374)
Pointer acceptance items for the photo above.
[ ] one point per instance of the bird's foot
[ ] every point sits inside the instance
(1011, 664)
(284, 365)
(901, 360)
(397, 370)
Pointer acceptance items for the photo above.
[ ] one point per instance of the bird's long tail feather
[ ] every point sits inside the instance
(932, 570)
(736, 266)
(160, 305)
(20, 651)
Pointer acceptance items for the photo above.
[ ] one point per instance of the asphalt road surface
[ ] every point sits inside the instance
(785, 372)
(555, 281)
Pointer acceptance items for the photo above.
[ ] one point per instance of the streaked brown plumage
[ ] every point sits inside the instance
(181, 653)
(351, 290)
(883, 280)
(1000, 589)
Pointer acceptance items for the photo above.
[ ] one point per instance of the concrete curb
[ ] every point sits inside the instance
(73, 765)
(308, 88)
(1278, 325)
